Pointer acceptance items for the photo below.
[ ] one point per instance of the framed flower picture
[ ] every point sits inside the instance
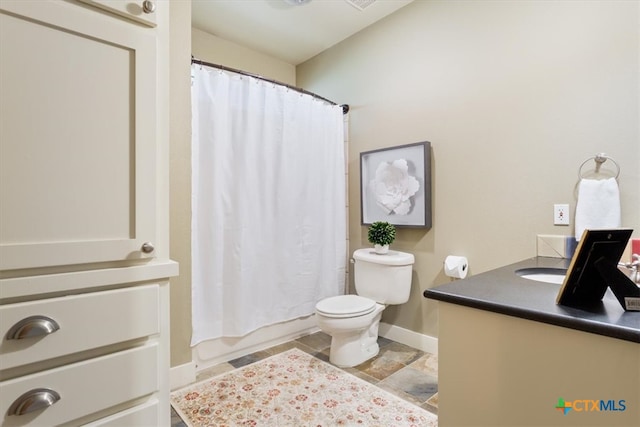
(395, 185)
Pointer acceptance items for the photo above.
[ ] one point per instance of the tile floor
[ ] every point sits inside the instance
(404, 371)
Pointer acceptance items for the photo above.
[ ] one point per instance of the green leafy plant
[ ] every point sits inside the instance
(381, 233)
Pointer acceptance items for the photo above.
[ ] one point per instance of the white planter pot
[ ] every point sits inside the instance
(381, 249)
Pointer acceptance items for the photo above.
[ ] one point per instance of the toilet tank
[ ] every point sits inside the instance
(385, 279)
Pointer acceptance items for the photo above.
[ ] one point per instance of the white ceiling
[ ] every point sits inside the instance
(280, 29)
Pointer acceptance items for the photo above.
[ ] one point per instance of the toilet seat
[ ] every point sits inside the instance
(345, 306)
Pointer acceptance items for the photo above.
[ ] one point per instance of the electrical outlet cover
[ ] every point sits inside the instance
(560, 214)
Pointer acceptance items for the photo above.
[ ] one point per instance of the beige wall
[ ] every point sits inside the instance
(513, 97)
(210, 48)
(180, 178)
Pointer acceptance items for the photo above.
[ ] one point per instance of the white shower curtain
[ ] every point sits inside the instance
(268, 203)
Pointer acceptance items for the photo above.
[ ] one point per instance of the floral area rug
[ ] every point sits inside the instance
(294, 389)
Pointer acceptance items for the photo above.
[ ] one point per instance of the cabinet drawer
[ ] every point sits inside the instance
(85, 321)
(84, 387)
(143, 415)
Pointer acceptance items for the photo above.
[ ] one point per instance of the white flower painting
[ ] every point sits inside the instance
(393, 187)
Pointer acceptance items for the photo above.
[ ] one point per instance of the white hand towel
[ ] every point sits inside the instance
(598, 205)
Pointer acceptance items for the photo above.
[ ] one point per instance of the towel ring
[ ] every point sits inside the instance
(599, 158)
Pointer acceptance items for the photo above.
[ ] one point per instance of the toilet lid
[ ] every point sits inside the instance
(345, 306)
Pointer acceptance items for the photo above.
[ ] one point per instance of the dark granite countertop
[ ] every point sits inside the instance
(502, 291)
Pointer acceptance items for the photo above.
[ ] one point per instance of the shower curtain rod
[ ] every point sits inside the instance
(345, 107)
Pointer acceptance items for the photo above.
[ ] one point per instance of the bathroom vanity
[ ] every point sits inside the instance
(509, 355)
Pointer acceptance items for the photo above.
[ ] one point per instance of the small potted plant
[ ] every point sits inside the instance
(381, 234)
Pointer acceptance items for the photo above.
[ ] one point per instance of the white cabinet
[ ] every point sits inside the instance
(77, 136)
(142, 11)
(84, 279)
(86, 353)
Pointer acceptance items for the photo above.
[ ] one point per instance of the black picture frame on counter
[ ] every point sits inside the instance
(395, 185)
(594, 268)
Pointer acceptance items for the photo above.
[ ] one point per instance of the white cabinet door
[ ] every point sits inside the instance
(77, 136)
(139, 11)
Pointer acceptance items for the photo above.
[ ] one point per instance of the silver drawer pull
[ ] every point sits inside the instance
(34, 400)
(34, 326)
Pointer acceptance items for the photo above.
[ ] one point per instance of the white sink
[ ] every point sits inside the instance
(542, 274)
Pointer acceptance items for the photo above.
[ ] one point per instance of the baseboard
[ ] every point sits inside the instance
(182, 375)
(422, 342)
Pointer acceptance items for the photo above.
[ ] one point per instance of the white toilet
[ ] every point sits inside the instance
(353, 320)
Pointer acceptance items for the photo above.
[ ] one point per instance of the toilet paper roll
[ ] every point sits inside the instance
(456, 266)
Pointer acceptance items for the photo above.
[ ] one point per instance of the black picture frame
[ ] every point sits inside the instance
(594, 268)
(375, 205)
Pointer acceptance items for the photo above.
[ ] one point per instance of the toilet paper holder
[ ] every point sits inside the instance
(456, 267)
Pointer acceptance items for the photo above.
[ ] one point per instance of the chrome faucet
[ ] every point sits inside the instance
(633, 267)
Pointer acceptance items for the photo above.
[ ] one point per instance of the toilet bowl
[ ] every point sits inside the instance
(354, 335)
(353, 320)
